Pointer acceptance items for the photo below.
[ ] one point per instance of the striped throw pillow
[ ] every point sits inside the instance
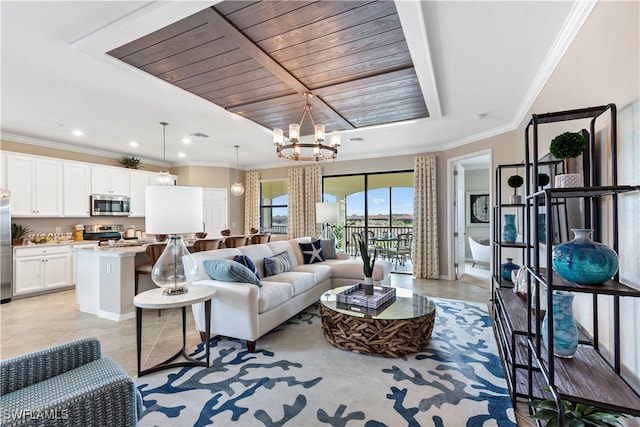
(277, 264)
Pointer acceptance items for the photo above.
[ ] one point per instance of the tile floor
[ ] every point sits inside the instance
(30, 324)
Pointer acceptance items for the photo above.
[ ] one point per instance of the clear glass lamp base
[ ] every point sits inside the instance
(175, 268)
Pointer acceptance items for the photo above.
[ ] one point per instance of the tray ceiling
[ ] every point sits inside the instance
(257, 58)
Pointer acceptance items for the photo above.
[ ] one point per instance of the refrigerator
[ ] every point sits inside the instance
(6, 253)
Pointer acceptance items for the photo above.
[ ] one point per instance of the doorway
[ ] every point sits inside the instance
(469, 180)
(214, 211)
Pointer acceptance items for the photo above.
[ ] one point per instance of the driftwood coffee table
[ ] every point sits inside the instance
(403, 327)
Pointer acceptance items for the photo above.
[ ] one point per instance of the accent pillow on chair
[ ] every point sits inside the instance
(277, 264)
(227, 270)
(246, 261)
(312, 252)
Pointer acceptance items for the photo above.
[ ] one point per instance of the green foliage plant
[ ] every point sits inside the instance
(130, 162)
(567, 145)
(515, 182)
(19, 231)
(575, 414)
(368, 262)
(338, 230)
(543, 179)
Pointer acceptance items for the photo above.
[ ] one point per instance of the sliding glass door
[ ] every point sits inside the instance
(377, 205)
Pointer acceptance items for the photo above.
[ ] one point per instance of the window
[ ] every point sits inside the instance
(372, 204)
(274, 205)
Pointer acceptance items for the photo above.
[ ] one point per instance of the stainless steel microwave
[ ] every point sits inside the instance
(109, 205)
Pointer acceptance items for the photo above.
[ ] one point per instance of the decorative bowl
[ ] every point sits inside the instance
(201, 235)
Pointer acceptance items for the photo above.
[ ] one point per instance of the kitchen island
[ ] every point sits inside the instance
(105, 280)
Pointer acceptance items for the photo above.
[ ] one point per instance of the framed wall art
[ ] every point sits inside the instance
(478, 209)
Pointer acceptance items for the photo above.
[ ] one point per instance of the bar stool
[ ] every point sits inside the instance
(236, 241)
(153, 252)
(260, 238)
(207, 244)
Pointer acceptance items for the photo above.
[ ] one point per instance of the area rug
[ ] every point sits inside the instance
(296, 378)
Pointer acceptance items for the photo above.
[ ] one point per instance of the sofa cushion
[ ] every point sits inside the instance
(321, 271)
(246, 261)
(227, 270)
(329, 248)
(298, 280)
(200, 257)
(312, 252)
(277, 264)
(272, 294)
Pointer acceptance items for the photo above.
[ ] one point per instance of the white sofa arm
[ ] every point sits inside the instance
(234, 310)
(342, 255)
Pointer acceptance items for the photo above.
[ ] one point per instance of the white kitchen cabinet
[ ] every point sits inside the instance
(41, 268)
(76, 189)
(35, 184)
(106, 180)
(137, 182)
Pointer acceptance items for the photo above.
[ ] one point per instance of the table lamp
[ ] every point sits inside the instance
(173, 210)
(327, 213)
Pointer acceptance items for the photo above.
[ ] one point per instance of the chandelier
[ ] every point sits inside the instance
(296, 150)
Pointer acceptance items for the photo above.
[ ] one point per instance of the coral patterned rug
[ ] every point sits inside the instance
(296, 378)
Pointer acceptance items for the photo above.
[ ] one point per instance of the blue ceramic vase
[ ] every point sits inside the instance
(509, 231)
(507, 268)
(565, 331)
(584, 261)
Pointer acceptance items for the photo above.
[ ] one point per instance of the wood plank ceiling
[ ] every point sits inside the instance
(257, 58)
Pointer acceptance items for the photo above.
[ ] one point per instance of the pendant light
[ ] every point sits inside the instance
(237, 189)
(163, 177)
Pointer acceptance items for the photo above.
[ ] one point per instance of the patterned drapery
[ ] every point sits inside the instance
(426, 263)
(252, 202)
(304, 192)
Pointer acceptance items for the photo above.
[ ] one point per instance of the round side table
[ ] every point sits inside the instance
(155, 299)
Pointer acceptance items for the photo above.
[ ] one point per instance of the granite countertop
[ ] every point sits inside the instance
(55, 243)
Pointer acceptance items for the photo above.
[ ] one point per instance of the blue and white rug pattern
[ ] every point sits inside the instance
(296, 378)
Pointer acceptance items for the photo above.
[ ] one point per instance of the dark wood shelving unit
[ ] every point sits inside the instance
(591, 377)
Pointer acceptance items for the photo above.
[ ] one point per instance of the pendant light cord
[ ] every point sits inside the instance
(237, 146)
(164, 144)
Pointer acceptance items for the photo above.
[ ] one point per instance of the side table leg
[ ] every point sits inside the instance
(207, 316)
(138, 335)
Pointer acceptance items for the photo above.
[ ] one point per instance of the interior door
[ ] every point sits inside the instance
(214, 214)
(459, 220)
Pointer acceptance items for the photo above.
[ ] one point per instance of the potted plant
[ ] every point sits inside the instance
(565, 146)
(18, 232)
(515, 182)
(130, 162)
(574, 414)
(367, 266)
(543, 179)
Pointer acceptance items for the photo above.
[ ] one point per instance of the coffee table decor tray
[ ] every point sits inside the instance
(355, 296)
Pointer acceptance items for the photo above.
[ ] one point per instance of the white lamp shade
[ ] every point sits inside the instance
(326, 213)
(173, 209)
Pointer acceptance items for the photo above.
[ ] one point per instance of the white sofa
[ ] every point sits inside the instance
(245, 311)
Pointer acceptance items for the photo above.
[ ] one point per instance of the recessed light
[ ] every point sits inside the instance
(181, 154)
(77, 132)
(481, 116)
(133, 144)
(186, 140)
(356, 139)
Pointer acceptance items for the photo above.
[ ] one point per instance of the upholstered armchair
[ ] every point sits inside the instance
(69, 384)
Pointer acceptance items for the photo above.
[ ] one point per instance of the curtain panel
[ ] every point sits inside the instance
(426, 262)
(252, 202)
(304, 192)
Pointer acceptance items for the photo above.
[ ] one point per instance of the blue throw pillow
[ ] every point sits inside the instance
(246, 261)
(227, 270)
(277, 264)
(312, 252)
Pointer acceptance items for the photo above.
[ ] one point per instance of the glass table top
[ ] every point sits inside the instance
(407, 305)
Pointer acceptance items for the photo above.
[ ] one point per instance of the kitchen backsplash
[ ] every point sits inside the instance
(67, 225)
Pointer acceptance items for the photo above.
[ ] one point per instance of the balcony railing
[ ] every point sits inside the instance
(377, 231)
